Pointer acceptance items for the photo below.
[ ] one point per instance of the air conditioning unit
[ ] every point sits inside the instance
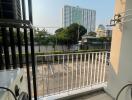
(16, 82)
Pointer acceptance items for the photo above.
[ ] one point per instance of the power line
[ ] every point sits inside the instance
(47, 27)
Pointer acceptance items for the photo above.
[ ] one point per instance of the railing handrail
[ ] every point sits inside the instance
(71, 53)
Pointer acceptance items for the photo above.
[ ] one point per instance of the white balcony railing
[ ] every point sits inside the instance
(57, 73)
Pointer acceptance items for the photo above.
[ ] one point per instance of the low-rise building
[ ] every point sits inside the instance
(91, 42)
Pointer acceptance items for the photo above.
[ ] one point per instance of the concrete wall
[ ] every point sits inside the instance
(43, 49)
(120, 71)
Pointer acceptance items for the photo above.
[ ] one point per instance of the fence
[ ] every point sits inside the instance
(57, 73)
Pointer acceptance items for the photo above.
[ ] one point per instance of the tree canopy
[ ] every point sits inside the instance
(92, 34)
(70, 35)
(63, 36)
(42, 37)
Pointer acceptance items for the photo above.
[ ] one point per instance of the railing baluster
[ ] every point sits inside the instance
(27, 62)
(43, 74)
(105, 65)
(91, 71)
(84, 69)
(68, 72)
(26, 50)
(80, 70)
(53, 60)
(95, 68)
(13, 49)
(58, 74)
(88, 69)
(32, 49)
(72, 71)
(1, 58)
(6, 48)
(102, 63)
(63, 74)
(37, 75)
(98, 67)
(76, 69)
(47, 78)
(19, 44)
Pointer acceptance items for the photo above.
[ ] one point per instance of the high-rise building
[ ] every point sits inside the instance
(10, 9)
(85, 17)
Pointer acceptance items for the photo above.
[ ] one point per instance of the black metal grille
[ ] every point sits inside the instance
(15, 34)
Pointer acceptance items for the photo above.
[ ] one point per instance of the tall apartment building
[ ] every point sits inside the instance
(10, 9)
(85, 17)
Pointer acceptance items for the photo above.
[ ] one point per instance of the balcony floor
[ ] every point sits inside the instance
(100, 95)
(95, 92)
(95, 95)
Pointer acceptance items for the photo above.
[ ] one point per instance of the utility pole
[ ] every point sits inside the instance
(56, 41)
(78, 35)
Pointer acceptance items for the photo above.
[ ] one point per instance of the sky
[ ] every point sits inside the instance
(47, 13)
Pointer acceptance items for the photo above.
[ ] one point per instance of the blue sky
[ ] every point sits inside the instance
(48, 12)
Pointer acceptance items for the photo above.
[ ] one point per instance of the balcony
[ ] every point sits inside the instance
(71, 75)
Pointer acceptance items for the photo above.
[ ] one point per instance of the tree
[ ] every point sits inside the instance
(92, 34)
(75, 32)
(39, 36)
(42, 38)
(103, 40)
(52, 41)
(62, 38)
(59, 30)
(70, 35)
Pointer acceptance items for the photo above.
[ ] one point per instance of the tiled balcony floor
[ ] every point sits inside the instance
(100, 95)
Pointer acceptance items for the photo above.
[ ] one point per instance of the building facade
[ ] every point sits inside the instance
(102, 31)
(85, 17)
(109, 33)
(10, 9)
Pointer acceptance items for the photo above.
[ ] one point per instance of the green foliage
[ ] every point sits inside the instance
(70, 35)
(59, 30)
(75, 32)
(42, 37)
(92, 34)
(105, 39)
(62, 36)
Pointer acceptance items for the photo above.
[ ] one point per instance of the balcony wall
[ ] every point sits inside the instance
(121, 52)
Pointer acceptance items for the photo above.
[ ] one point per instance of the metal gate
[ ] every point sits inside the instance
(11, 30)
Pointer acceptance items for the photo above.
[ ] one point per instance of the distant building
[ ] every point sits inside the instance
(85, 17)
(10, 9)
(91, 42)
(108, 33)
(101, 31)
